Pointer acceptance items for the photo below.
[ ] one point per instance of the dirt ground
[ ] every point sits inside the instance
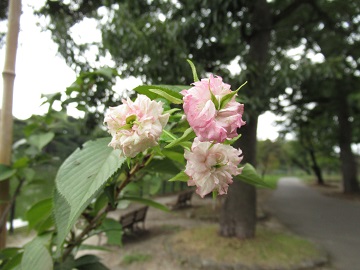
(147, 249)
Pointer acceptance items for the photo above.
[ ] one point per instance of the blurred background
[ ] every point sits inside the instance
(301, 60)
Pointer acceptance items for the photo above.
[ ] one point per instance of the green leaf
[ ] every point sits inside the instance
(167, 136)
(40, 140)
(227, 98)
(62, 219)
(162, 166)
(36, 255)
(241, 86)
(89, 262)
(29, 174)
(167, 96)
(215, 100)
(13, 263)
(39, 213)
(172, 111)
(66, 264)
(146, 202)
(106, 72)
(109, 192)
(93, 247)
(145, 90)
(113, 231)
(233, 140)
(51, 98)
(8, 253)
(174, 88)
(188, 135)
(100, 202)
(193, 69)
(79, 180)
(175, 156)
(250, 176)
(181, 176)
(21, 163)
(6, 172)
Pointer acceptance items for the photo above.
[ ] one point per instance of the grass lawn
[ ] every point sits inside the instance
(269, 250)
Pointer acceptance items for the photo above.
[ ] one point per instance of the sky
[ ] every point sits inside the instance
(40, 70)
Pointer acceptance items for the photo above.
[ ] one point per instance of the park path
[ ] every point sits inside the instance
(331, 222)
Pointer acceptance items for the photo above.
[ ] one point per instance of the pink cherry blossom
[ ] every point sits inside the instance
(208, 122)
(135, 126)
(211, 166)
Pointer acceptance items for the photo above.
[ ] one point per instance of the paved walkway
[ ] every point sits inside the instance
(331, 222)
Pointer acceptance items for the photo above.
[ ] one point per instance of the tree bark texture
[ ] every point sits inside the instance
(6, 120)
(238, 215)
(347, 158)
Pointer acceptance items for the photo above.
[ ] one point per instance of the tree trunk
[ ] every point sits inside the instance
(347, 158)
(316, 168)
(6, 122)
(238, 215)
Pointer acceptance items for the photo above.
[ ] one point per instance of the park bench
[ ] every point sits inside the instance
(130, 221)
(183, 200)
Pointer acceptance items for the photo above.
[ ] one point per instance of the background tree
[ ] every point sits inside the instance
(153, 40)
(332, 83)
(315, 137)
(327, 85)
(269, 156)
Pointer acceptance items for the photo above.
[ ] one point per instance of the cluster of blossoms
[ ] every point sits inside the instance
(213, 114)
(136, 126)
(211, 164)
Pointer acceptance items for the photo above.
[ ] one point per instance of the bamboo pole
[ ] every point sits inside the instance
(6, 120)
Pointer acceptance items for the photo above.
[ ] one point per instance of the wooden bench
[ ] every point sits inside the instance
(130, 221)
(183, 200)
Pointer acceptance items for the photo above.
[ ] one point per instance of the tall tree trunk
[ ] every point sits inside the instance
(347, 158)
(6, 122)
(316, 168)
(238, 215)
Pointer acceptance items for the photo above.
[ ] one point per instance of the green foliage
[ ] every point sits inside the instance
(36, 254)
(153, 40)
(193, 69)
(41, 140)
(250, 176)
(146, 202)
(188, 135)
(89, 262)
(181, 176)
(113, 231)
(79, 180)
(170, 93)
(164, 165)
(6, 172)
(136, 257)
(10, 258)
(272, 155)
(39, 215)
